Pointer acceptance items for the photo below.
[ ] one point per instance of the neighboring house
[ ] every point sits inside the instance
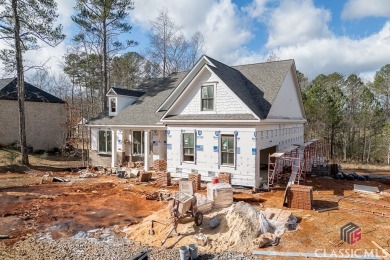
(45, 117)
(215, 118)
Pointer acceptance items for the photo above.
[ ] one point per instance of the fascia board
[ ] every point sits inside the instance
(294, 72)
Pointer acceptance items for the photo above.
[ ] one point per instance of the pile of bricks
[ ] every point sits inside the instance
(300, 197)
(160, 165)
(163, 178)
(195, 178)
(225, 177)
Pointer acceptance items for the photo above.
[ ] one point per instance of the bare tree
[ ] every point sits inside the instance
(169, 48)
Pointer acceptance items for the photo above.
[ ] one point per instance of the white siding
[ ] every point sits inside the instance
(281, 135)
(225, 102)
(121, 102)
(286, 104)
(207, 160)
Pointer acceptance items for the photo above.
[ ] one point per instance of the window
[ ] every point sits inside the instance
(138, 142)
(113, 105)
(189, 147)
(105, 141)
(207, 98)
(227, 151)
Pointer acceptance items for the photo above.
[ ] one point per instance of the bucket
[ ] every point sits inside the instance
(213, 223)
(193, 251)
(215, 180)
(184, 253)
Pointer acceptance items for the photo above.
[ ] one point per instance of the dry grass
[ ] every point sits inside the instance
(9, 157)
(365, 167)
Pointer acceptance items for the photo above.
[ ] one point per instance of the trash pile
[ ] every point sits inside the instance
(351, 176)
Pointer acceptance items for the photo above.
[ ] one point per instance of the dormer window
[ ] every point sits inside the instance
(113, 105)
(207, 98)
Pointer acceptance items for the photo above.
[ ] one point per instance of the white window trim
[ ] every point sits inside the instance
(142, 143)
(182, 148)
(116, 104)
(214, 85)
(235, 150)
(98, 141)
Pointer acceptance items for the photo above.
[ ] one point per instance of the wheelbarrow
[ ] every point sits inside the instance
(182, 205)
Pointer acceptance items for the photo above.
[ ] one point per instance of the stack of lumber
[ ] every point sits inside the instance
(221, 194)
(300, 197)
(163, 178)
(160, 165)
(195, 178)
(225, 177)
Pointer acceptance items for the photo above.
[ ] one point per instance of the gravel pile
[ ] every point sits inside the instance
(94, 244)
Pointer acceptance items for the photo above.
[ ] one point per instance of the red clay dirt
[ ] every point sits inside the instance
(63, 209)
(66, 208)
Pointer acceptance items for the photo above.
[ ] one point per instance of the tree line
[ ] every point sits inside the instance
(351, 115)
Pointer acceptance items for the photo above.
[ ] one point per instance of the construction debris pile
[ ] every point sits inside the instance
(351, 176)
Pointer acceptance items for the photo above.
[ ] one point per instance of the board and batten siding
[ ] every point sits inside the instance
(281, 135)
(287, 104)
(207, 158)
(225, 102)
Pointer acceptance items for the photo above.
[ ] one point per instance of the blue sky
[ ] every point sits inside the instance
(322, 36)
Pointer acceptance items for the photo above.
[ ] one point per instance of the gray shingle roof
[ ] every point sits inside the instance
(257, 85)
(143, 111)
(212, 117)
(8, 91)
(128, 92)
(101, 119)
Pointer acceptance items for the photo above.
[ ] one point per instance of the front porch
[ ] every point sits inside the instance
(138, 146)
(128, 146)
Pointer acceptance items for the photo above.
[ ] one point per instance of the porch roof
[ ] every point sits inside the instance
(143, 111)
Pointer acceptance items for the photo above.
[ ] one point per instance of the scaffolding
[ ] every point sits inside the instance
(295, 162)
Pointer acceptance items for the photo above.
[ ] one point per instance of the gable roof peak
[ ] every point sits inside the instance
(256, 84)
(126, 92)
(8, 91)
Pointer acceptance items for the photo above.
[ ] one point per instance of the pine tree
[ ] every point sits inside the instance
(101, 22)
(22, 25)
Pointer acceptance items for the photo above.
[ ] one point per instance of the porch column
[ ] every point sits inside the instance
(147, 150)
(113, 148)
